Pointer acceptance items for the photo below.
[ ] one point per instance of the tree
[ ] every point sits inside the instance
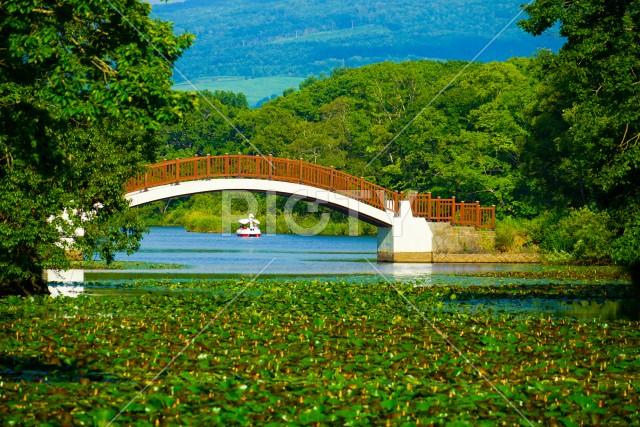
(83, 85)
(585, 145)
(204, 130)
(468, 144)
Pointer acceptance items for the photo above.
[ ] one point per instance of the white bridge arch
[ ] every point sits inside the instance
(310, 181)
(339, 202)
(401, 237)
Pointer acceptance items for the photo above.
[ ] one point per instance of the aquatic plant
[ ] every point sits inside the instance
(307, 353)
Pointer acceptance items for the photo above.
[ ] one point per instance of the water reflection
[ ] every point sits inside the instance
(603, 310)
(57, 290)
(576, 309)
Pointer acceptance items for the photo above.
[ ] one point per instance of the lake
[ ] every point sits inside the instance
(218, 256)
(211, 255)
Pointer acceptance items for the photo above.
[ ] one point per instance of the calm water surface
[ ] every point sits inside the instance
(224, 255)
(208, 255)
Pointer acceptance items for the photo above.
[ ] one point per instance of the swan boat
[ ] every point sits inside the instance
(248, 227)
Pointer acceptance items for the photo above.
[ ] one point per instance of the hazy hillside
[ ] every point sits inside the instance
(297, 38)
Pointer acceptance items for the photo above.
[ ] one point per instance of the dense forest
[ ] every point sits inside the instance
(259, 38)
(467, 144)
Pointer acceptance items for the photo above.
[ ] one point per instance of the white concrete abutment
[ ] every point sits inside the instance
(407, 239)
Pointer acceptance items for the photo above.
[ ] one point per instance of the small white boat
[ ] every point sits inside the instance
(248, 227)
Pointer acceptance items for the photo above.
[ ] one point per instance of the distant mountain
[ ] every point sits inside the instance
(297, 38)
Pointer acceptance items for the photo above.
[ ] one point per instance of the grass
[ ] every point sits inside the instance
(255, 89)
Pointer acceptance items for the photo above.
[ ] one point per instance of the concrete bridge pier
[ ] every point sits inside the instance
(409, 239)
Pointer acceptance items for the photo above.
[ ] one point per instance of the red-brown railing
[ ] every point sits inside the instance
(459, 213)
(327, 178)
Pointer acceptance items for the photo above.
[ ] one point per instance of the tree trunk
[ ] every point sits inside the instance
(24, 287)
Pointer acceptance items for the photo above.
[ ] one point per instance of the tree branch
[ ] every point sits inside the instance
(43, 11)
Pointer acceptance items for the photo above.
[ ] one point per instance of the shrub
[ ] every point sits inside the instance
(625, 250)
(581, 237)
(505, 236)
(202, 222)
(515, 235)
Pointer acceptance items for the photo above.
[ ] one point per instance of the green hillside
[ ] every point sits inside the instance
(292, 38)
(346, 120)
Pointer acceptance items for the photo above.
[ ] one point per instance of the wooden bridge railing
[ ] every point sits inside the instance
(459, 213)
(327, 178)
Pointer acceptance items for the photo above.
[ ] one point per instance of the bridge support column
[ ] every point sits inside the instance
(409, 239)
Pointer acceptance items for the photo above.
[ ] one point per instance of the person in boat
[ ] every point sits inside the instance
(252, 221)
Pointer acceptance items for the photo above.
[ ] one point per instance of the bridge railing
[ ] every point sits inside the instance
(459, 213)
(328, 178)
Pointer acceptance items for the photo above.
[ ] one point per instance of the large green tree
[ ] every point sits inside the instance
(585, 144)
(83, 86)
(204, 130)
(468, 143)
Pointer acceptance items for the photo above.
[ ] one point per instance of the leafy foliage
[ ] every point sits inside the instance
(81, 91)
(583, 234)
(585, 145)
(467, 144)
(309, 352)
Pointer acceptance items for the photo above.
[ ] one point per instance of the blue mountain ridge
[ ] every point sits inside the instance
(298, 38)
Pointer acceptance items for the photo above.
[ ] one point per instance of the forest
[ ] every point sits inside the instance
(300, 38)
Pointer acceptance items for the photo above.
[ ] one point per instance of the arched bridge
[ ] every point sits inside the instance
(341, 191)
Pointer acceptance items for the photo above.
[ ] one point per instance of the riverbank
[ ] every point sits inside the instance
(205, 213)
(123, 265)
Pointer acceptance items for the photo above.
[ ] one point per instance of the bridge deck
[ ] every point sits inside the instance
(326, 178)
